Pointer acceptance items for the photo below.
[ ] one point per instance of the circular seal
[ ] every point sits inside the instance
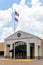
(19, 34)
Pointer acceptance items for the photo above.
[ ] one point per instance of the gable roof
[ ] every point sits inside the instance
(23, 35)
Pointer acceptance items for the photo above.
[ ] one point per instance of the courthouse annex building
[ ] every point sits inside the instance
(22, 45)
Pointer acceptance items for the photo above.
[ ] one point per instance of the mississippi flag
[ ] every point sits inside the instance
(16, 16)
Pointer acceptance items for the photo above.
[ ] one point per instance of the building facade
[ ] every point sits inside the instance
(22, 45)
(1, 49)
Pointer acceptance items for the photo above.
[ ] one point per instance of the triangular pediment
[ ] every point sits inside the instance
(20, 34)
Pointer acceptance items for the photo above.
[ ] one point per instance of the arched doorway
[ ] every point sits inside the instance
(20, 50)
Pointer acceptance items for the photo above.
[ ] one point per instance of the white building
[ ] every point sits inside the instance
(22, 45)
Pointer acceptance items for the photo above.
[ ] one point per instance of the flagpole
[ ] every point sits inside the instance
(13, 20)
(12, 15)
(14, 32)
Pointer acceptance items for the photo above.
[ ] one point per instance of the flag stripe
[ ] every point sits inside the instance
(16, 13)
(16, 19)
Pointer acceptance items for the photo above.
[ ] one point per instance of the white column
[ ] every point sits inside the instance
(28, 50)
(14, 50)
(36, 50)
(11, 47)
(5, 50)
(40, 50)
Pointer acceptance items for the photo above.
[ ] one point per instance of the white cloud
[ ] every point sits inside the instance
(22, 2)
(35, 3)
(30, 19)
(5, 16)
(7, 32)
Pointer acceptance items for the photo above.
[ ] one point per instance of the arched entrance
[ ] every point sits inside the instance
(20, 50)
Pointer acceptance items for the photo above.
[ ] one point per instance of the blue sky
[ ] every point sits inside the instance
(5, 4)
(30, 17)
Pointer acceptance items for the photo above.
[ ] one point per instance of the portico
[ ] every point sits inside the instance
(22, 45)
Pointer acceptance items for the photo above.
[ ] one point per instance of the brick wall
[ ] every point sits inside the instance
(1, 46)
(42, 47)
